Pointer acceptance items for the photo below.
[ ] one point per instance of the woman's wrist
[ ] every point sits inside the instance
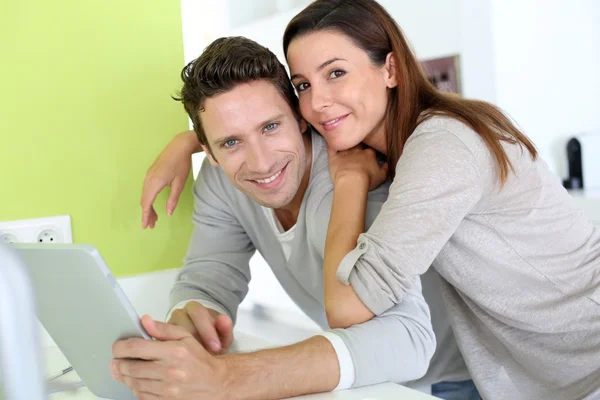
(189, 140)
(351, 181)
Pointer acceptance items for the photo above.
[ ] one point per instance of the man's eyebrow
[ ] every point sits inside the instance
(220, 140)
(320, 67)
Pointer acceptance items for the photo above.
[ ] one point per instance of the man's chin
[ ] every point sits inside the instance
(272, 203)
(275, 201)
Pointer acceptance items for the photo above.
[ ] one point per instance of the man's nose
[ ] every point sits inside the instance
(259, 159)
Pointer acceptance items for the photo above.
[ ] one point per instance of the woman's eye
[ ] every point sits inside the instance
(302, 87)
(229, 143)
(270, 127)
(336, 73)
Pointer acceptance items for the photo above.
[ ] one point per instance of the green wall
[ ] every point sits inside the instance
(84, 109)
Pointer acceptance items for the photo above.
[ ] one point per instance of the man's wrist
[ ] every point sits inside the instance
(307, 367)
(230, 377)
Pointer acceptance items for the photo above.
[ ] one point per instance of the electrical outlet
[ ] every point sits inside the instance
(37, 230)
(49, 236)
(8, 237)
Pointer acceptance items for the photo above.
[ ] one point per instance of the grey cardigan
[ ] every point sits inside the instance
(521, 264)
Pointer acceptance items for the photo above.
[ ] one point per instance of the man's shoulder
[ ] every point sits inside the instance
(212, 183)
(211, 176)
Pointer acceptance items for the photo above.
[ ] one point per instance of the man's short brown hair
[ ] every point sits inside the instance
(224, 64)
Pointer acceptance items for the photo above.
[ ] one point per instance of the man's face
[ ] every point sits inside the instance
(256, 139)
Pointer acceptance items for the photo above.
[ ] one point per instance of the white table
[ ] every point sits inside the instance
(55, 362)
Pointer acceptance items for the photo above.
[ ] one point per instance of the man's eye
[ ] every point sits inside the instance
(230, 143)
(336, 73)
(271, 127)
(302, 87)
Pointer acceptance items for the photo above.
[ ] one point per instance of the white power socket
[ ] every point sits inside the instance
(37, 230)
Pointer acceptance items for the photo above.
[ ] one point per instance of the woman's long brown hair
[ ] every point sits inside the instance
(414, 99)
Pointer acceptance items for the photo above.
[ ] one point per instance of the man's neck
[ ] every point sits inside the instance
(288, 215)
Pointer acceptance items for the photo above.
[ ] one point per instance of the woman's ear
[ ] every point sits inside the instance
(212, 160)
(390, 71)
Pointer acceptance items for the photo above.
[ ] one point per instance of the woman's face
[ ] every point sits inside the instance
(342, 94)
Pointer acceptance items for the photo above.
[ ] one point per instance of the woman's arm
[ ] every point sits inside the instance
(171, 168)
(342, 306)
(354, 173)
(440, 178)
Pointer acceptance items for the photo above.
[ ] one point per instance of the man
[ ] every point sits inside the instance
(268, 189)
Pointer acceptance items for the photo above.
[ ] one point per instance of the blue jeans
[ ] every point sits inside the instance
(463, 390)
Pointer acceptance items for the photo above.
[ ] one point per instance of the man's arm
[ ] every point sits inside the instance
(180, 367)
(307, 367)
(393, 347)
(216, 267)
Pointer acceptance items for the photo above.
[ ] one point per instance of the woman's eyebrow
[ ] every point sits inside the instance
(320, 67)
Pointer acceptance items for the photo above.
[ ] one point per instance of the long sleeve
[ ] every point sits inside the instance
(216, 266)
(397, 345)
(437, 183)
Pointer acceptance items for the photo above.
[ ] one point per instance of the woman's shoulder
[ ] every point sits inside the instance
(450, 129)
(448, 124)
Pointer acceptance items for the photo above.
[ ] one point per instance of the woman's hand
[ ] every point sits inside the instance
(357, 164)
(171, 168)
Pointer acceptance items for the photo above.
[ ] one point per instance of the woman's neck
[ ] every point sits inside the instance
(377, 139)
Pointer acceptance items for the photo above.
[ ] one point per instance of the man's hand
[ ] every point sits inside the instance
(213, 330)
(175, 366)
(171, 168)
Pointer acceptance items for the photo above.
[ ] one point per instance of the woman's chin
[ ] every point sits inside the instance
(339, 144)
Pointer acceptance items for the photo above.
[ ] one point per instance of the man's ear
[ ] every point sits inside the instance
(303, 125)
(212, 160)
(390, 71)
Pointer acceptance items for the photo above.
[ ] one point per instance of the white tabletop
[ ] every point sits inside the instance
(55, 362)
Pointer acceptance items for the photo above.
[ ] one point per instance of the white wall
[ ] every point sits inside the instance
(477, 58)
(539, 61)
(547, 66)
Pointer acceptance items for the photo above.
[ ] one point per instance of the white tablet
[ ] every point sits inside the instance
(84, 310)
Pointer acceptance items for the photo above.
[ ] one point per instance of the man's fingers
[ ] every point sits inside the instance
(142, 349)
(147, 396)
(181, 318)
(224, 327)
(176, 189)
(161, 389)
(205, 325)
(162, 331)
(145, 389)
(137, 369)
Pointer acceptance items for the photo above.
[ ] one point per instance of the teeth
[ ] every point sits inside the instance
(331, 122)
(270, 179)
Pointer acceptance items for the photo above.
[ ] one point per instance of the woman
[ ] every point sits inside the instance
(521, 264)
